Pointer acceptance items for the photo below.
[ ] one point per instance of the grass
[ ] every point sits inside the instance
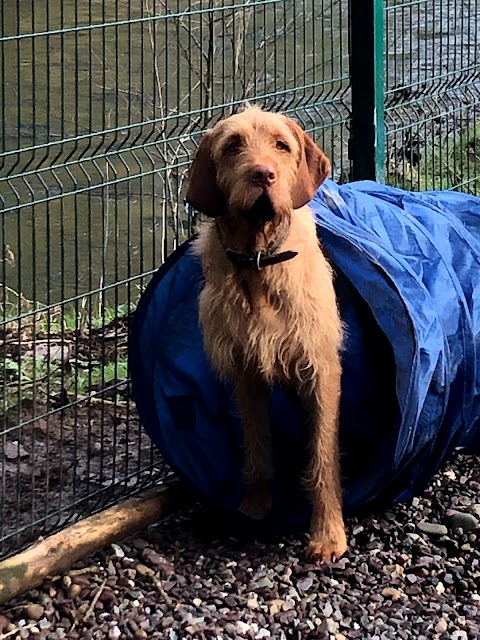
(452, 164)
(64, 353)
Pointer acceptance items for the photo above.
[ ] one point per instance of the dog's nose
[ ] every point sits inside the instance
(263, 175)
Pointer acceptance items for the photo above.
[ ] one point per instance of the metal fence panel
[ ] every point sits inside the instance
(432, 95)
(102, 104)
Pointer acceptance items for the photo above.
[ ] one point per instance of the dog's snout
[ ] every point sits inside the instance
(263, 175)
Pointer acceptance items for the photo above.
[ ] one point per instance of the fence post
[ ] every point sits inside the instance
(367, 63)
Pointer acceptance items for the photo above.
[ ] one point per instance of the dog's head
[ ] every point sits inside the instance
(255, 168)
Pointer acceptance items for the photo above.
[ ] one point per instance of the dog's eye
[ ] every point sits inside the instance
(233, 147)
(282, 146)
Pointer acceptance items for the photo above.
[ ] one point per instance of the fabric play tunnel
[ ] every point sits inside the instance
(407, 273)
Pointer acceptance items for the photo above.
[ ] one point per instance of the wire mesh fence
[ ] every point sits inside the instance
(101, 107)
(432, 94)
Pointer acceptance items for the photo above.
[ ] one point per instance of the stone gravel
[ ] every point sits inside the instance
(412, 571)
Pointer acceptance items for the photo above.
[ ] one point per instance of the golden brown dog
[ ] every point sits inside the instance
(268, 310)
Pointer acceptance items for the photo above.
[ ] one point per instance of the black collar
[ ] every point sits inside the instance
(260, 259)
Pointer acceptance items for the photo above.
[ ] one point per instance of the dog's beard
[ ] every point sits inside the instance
(262, 210)
(269, 224)
(260, 221)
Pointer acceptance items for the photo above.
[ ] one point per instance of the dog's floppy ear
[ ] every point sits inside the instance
(202, 190)
(313, 168)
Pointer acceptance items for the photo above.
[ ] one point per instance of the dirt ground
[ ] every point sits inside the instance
(67, 450)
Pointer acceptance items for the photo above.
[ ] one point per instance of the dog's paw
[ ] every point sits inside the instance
(328, 546)
(257, 502)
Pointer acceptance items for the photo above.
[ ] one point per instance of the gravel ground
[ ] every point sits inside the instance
(412, 572)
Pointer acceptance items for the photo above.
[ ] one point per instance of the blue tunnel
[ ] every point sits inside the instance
(407, 274)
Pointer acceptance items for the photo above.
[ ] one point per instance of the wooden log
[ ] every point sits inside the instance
(56, 554)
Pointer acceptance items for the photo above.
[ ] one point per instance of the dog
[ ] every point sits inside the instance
(267, 309)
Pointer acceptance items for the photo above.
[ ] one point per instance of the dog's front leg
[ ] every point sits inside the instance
(252, 395)
(327, 530)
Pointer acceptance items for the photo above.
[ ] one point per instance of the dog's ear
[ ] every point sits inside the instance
(202, 190)
(313, 168)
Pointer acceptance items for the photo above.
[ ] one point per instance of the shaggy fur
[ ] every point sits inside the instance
(254, 173)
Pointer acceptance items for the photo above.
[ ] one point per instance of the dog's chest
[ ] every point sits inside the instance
(254, 323)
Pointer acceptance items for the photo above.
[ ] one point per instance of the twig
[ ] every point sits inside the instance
(15, 293)
(17, 630)
(160, 588)
(74, 572)
(90, 609)
(32, 341)
(106, 229)
(95, 400)
(80, 572)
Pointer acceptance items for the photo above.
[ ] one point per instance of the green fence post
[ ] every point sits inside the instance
(367, 76)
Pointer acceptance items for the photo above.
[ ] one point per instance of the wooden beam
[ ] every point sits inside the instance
(56, 554)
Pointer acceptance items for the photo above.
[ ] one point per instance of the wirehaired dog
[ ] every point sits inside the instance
(268, 310)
